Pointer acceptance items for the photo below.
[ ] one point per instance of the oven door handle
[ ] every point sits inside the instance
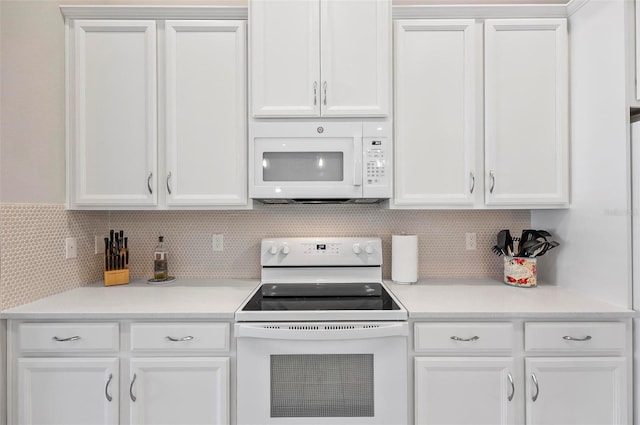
(316, 332)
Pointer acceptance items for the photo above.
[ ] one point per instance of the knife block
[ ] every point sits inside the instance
(116, 277)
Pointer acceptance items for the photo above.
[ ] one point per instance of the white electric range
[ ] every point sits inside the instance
(322, 340)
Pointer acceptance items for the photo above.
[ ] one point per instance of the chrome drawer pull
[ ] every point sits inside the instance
(535, 382)
(513, 387)
(493, 181)
(570, 338)
(473, 338)
(184, 338)
(71, 338)
(133, 398)
(106, 388)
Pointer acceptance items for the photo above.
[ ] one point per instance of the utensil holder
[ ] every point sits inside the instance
(116, 277)
(520, 271)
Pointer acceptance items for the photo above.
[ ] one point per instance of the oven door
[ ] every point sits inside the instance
(310, 167)
(322, 373)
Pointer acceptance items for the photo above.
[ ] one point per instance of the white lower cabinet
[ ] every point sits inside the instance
(485, 386)
(470, 373)
(140, 373)
(576, 390)
(179, 391)
(68, 391)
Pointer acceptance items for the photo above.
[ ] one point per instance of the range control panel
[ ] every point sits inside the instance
(307, 252)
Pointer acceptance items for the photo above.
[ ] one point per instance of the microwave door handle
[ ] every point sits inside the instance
(357, 161)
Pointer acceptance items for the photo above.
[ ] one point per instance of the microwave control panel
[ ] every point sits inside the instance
(377, 163)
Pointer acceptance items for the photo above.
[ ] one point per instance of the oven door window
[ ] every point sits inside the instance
(322, 385)
(303, 166)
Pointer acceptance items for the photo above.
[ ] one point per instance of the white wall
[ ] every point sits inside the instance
(595, 255)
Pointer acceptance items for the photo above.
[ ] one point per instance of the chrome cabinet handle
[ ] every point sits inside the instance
(168, 186)
(513, 387)
(535, 382)
(184, 338)
(315, 93)
(324, 89)
(106, 388)
(473, 338)
(493, 181)
(149, 183)
(473, 182)
(71, 338)
(570, 338)
(133, 398)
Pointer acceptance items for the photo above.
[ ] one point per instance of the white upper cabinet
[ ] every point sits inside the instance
(120, 156)
(320, 57)
(446, 156)
(205, 113)
(111, 95)
(526, 112)
(435, 113)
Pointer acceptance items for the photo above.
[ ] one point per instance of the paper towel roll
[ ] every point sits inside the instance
(404, 258)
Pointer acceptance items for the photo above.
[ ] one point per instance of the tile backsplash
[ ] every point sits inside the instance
(33, 265)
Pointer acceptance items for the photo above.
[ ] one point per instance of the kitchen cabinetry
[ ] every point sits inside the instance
(70, 373)
(118, 157)
(55, 386)
(446, 155)
(574, 373)
(320, 58)
(179, 390)
(526, 111)
(111, 96)
(72, 391)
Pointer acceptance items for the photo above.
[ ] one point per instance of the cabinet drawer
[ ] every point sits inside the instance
(464, 337)
(595, 337)
(68, 337)
(180, 337)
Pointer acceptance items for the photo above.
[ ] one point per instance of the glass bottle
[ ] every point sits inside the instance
(160, 269)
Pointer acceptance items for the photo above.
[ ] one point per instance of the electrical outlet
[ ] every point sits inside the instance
(218, 243)
(471, 241)
(98, 244)
(71, 248)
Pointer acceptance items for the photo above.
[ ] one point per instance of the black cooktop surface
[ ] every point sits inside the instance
(313, 297)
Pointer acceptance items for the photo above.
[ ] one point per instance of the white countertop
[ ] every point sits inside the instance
(180, 299)
(485, 298)
(218, 299)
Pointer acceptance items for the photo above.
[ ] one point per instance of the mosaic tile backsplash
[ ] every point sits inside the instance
(33, 264)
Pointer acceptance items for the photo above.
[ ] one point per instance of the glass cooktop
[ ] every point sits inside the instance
(314, 297)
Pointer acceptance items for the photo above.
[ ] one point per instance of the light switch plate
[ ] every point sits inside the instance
(71, 248)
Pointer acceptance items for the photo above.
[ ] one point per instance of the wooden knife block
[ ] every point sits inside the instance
(116, 277)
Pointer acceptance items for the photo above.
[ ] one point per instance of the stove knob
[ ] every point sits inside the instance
(369, 249)
(356, 248)
(285, 249)
(274, 249)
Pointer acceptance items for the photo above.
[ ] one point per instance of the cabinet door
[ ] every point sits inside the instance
(435, 113)
(67, 391)
(179, 391)
(206, 145)
(464, 390)
(526, 112)
(112, 113)
(285, 58)
(576, 391)
(356, 57)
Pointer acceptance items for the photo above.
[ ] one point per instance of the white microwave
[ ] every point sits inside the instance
(315, 162)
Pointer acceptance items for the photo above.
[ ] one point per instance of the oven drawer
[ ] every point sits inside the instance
(580, 337)
(182, 337)
(68, 337)
(463, 337)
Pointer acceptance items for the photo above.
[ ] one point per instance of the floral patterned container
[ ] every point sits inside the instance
(520, 271)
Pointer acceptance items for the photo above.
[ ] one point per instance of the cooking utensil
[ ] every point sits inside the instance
(509, 244)
(496, 250)
(502, 241)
